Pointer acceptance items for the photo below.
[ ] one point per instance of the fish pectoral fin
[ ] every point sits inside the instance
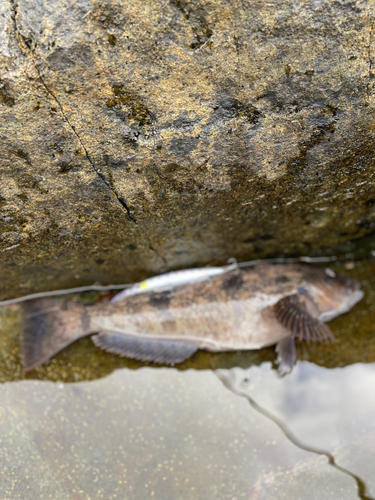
(144, 349)
(286, 355)
(293, 316)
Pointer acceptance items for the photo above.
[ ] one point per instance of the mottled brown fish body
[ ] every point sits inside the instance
(222, 313)
(215, 326)
(243, 309)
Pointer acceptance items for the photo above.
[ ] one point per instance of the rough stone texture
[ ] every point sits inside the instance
(142, 136)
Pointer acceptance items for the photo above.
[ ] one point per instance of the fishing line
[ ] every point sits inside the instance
(78, 289)
(101, 288)
(288, 260)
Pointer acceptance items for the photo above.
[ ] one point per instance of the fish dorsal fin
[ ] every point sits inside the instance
(144, 349)
(292, 314)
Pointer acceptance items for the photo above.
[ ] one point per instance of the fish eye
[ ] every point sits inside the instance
(330, 273)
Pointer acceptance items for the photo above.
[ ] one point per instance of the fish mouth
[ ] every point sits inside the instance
(347, 304)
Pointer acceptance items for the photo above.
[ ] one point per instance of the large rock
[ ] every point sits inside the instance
(142, 136)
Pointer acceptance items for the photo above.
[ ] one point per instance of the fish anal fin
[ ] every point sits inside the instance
(293, 314)
(49, 325)
(286, 355)
(144, 349)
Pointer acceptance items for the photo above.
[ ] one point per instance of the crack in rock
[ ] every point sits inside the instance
(369, 57)
(361, 486)
(26, 47)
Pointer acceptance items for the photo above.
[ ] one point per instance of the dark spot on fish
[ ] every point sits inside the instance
(99, 261)
(248, 270)
(64, 305)
(233, 284)
(161, 300)
(85, 318)
(169, 324)
(282, 279)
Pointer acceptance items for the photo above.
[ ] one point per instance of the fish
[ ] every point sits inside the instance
(243, 309)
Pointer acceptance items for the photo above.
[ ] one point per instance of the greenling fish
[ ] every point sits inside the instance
(247, 308)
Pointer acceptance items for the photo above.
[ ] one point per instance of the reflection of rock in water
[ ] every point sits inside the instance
(284, 397)
(152, 433)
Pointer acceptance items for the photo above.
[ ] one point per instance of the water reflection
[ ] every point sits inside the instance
(167, 434)
(317, 410)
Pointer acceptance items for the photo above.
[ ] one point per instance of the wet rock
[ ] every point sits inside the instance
(138, 137)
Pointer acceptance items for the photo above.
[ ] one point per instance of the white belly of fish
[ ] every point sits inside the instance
(215, 326)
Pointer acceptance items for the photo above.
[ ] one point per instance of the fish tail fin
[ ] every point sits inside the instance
(48, 326)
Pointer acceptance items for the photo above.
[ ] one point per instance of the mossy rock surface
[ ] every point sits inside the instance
(137, 137)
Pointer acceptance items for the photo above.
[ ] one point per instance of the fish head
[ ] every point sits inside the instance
(333, 293)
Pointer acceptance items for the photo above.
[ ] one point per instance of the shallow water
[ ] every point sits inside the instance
(166, 434)
(220, 426)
